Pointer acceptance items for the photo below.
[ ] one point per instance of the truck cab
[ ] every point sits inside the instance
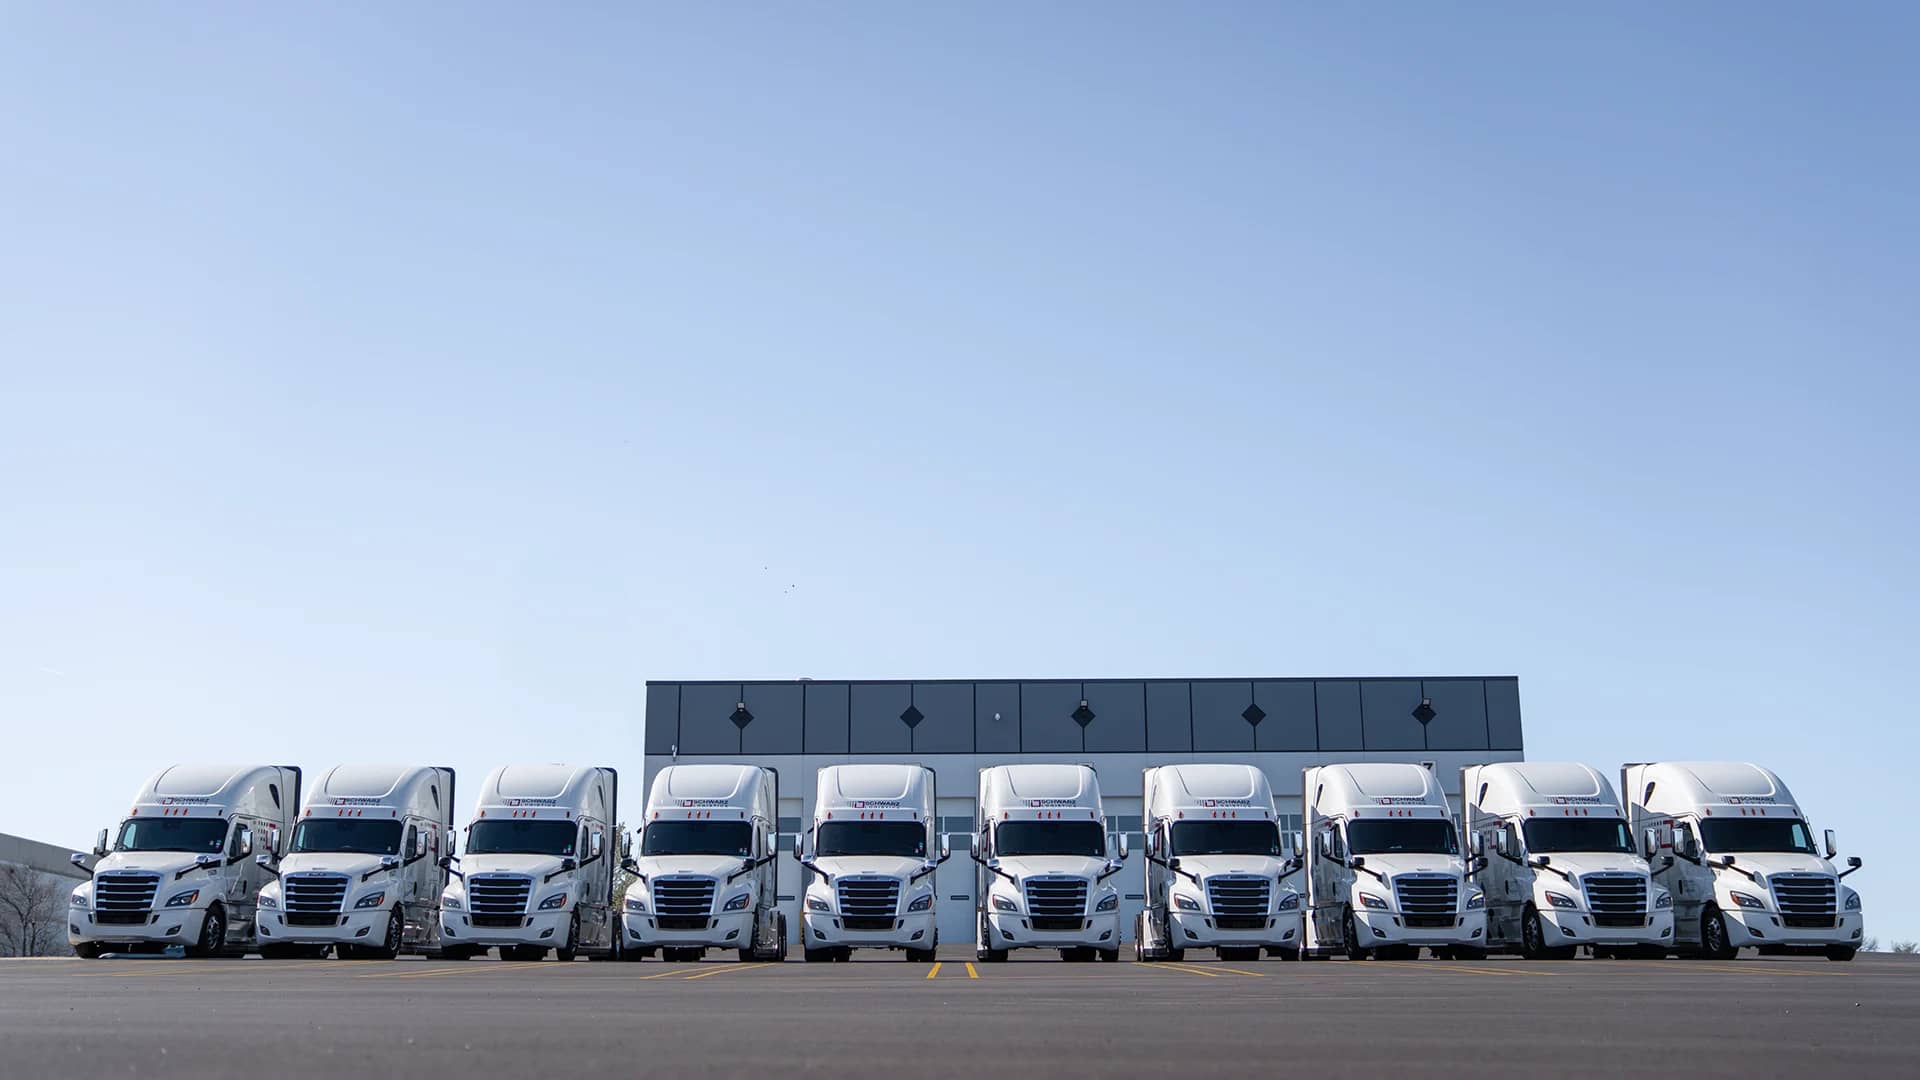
(181, 869)
(1564, 869)
(538, 870)
(362, 876)
(1217, 866)
(1043, 877)
(706, 874)
(870, 852)
(1386, 872)
(1744, 870)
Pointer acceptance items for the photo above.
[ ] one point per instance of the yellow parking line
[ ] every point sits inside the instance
(1249, 974)
(934, 970)
(971, 974)
(722, 969)
(452, 969)
(1418, 966)
(1761, 969)
(1183, 967)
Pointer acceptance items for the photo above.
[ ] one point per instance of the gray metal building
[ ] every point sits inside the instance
(1119, 726)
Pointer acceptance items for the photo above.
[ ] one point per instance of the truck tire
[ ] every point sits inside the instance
(389, 947)
(567, 952)
(1715, 942)
(984, 952)
(1175, 956)
(1841, 953)
(1350, 937)
(89, 950)
(213, 933)
(1533, 939)
(1108, 956)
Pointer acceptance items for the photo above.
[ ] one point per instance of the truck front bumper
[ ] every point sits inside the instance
(1197, 930)
(1577, 928)
(732, 930)
(541, 928)
(824, 930)
(367, 927)
(1013, 931)
(1387, 928)
(1748, 927)
(167, 926)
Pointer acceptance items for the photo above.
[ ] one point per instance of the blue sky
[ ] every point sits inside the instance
(417, 384)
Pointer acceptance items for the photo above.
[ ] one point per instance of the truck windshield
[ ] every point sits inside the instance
(1404, 837)
(905, 838)
(199, 835)
(1224, 838)
(318, 835)
(521, 838)
(1756, 834)
(1051, 838)
(733, 838)
(1578, 834)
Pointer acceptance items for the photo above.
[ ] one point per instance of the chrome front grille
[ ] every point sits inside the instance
(313, 899)
(868, 903)
(1428, 900)
(124, 898)
(683, 903)
(1239, 901)
(1056, 903)
(1617, 899)
(1806, 900)
(498, 900)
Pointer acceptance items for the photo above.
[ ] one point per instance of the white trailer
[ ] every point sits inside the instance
(362, 875)
(1744, 871)
(180, 870)
(1217, 866)
(706, 877)
(1386, 875)
(1564, 868)
(870, 853)
(539, 867)
(1043, 876)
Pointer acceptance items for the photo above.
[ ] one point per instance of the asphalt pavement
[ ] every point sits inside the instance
(210, 1019)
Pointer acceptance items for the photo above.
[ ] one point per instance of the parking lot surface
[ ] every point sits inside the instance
(957, 1017)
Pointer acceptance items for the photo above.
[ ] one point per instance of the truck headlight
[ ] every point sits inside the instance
(1371, 901)
(922, 903)
(450, 900)
(1559, 901)
(269, 902)
(1663, 901)
(739, 903)
(371, 900)
(554, 903)
(184, 899)
(815, 903)
(1289, 901)
(1185, 903)
(1108, 903)
(1746, 901)
(1001, 903)
(636, 903)
(1853, 902)
(79, 900)
(1477, 901)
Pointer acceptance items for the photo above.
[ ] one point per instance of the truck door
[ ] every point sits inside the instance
(242, 879)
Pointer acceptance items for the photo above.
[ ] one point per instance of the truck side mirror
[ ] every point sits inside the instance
(569, 863)
(946, 848)
(593, 846)
(445, 862)
(626, 846)
(1833, 844)
(452, 848)
(246, 843)
(1173, 863)
(1540, 862)
(1358, 862)
(388, 862)
(1123, 847)
(800, 846)
(1298, 841)
(630, 866)
(78, 860)
(264, 860)
(1649, 844)
(100, 844)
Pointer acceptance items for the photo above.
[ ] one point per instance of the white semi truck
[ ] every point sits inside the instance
(870, 854)
(706, 877)
(362, 872)
(1744, 871)
(180, 869)
(1386, 874)
(1217, 866)
(539, 867)
(1564, 869)
(1042, 882)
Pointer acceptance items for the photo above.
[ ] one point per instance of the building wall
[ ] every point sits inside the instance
(958, 727)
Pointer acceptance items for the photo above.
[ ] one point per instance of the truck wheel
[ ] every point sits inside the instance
(213, 933)
(389, 947)
(1533, 939)
(1841, 953)
(1109, 956)
(1715, 942)
(89, 950)
(567, 952)
(984, 951)
(919, 956)
(1174, 955)
(1350, 937)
